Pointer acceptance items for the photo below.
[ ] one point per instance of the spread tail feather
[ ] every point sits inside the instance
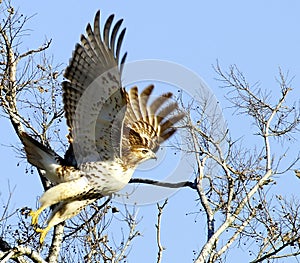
(39, 155)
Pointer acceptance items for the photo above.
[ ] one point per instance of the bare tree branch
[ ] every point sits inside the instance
(56, 243)
(38, 50)
(16, 253)
(163, 184)
(158, 230)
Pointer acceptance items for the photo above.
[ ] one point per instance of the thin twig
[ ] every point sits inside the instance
(158, 230)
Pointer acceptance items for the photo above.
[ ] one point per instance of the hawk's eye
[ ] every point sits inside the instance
(144, 151)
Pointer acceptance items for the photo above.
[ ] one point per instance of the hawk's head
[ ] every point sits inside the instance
(141, 147)
(143, 154)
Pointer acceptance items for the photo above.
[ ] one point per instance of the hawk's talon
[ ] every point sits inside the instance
(35, 217)
(44, 232)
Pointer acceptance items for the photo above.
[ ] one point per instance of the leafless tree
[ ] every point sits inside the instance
(233, 181)
(236, 195)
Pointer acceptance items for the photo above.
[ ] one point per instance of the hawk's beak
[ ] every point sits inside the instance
(153, 156)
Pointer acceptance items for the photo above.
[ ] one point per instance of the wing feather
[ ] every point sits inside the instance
(135, 103)
(97, 33)
(156, 104)
(94, 100)
(171, 121)
(144, 98)
(149, 125)
(114, 35)
(167, 110)
(106, 30)
(119, 44)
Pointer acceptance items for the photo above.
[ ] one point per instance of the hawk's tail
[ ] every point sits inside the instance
(39, 155)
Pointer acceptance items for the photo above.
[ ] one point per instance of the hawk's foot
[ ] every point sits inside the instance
(43, 232)
(35, 217)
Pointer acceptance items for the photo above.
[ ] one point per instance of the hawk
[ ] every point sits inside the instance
(111, 131)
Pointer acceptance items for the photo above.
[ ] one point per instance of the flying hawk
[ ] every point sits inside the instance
(111, 130)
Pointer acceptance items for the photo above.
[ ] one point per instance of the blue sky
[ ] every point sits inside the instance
(257, 36)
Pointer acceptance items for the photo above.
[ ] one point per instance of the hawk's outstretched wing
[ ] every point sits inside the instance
(146, 124)
(94, 100)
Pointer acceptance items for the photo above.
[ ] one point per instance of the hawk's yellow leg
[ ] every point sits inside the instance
(43, 232)
(35, 215)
